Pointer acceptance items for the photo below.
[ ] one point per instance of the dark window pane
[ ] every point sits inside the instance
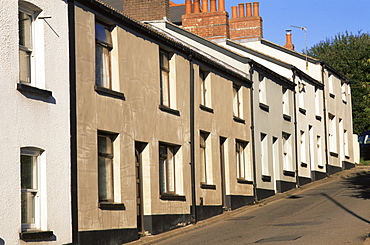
(102, 34)
(28, 180)
(24, 29)
(105, 179)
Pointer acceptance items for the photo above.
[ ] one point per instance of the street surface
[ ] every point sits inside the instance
(331, 212)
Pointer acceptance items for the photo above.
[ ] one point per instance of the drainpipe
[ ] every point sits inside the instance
(296, 133)
(73, 120)
(192, 146)
(325, 123)
(252, 135)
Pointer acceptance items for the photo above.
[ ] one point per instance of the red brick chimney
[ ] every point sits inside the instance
(289, 44)
(209, 23)
(246, 27)
(146, 10)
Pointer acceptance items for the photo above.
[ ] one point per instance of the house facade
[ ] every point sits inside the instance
(35, 125)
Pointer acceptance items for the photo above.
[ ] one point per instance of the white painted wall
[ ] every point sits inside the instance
(31, 122)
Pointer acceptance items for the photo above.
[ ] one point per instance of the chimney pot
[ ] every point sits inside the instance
(188, 7)
(241, 10)
(221, 5)
(204, 5)
(234, 10)
(213, 6)
(249, 9)
(289, 44)
(256, 11)
(196, 6)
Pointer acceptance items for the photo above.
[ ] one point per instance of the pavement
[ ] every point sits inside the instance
(153, 239)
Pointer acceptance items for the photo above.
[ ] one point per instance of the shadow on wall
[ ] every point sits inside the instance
(360, 183)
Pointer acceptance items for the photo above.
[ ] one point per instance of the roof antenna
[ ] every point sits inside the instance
(305, 40)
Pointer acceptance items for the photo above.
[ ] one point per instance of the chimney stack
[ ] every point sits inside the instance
(249, 27)
(289, 44)
(209, 23)
(141, 10)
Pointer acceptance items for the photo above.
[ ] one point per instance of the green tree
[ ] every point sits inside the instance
(350, 55)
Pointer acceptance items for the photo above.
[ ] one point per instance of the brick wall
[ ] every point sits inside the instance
(146, 9)
(211, 25)
(246, 28)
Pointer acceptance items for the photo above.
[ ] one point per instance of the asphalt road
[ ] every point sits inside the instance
(335, 211)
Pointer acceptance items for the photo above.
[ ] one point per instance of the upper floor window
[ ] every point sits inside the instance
(318, 102)
(343, 89)
(25, 19)
(204, 78)
(301, 94)
(103, 48)
(237, 101)
(331, 84)
(262, 93)
(286, 102)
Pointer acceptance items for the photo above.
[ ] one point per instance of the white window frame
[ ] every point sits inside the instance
(103, 76)
(303, 146)
(169, 169)
(345, 143)
(332, 133)
(243, 160)
(262, 93)
(113, 182)
(331, 83)
(35, 203)
(205, 156)
(301, 94)
(237, 101)
(287, 152)
(318, 101)
(264, 155)
(319, 150)
(205, 88)
(286, 102)
(167, 79)
(343, 90)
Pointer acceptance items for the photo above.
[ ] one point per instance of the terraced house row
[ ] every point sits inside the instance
(128, 118)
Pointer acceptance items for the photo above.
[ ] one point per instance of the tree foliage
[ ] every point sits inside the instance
(350, 55)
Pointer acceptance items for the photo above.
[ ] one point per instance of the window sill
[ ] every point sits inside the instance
(172, 197)
(304, 165)
(266, 178)
(332, 95)
(303, 111)
(36, 235)
(22, 87)
(334, 154)
(244, 181)
(108, 92)
(207, 186)
(264, 107)
(238, 120)
(169, 110)
(289, 173)
(205, 108)
(111, 206)
(318, 117)
(287, 117)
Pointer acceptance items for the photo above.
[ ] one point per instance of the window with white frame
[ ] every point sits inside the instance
(30, 188)
(343, 89)
(301, 94)
(205, 158)
(167, 79)
(264, 155)
(330, 83)
(345, 143)
(25, 22)
(286, 102)
(318, 101)
(106, 167)
(303, 147)
(204, 78)
(262, 94)
(167, 168)
(332, 134)
(287, 152)
(243, 160)
(237, 101)
(103, 48)
(319, 150)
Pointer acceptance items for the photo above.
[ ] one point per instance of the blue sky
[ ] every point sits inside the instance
(323, 18)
